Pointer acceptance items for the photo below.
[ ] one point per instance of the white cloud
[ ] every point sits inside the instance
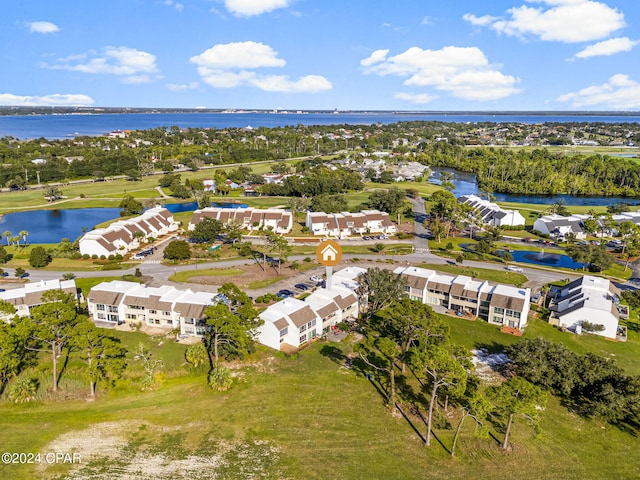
(566, 21)
(464, 72)
(133, 65)
(181, 87)
(417, 98)
(248, 8)
(282, 83)
(620, 92)
(56, 99)
(232, 65)
(43, 27)
(170, 3)
(238, 55)
(607, 47)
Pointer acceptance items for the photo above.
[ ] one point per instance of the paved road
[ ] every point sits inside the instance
(421, 238)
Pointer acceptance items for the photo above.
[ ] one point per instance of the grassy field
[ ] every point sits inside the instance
(302, 417)
(498, 276)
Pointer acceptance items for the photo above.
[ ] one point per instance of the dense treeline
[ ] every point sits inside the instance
(588, 384)
(432, 143)
(540, 171)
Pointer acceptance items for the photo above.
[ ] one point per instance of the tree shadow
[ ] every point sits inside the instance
(333, 353)
(63, 365)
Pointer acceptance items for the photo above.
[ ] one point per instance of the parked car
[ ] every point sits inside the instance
(513, 268)
(315, 279)
(301, 286)
(284, 293)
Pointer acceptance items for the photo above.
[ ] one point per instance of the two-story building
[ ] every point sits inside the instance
(29, 296)
(345, 224)
(275, 219)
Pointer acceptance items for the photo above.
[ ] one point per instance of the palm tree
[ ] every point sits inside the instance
(7, 235)
(24, 234)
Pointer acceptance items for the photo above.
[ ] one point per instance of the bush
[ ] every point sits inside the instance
(307, 260)
(76, 255)
(39, 257)
(94, 256)
(103, 257)
(86, 256)
(23, 390)
(112, 257)
(118, 257)
(220, 378)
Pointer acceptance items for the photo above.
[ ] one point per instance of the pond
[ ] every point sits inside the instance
(51, 226)
(467, 184)
(548, 259)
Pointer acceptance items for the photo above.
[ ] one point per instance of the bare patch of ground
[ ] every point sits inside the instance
(251, 273)
(489, 365)
(111, 450)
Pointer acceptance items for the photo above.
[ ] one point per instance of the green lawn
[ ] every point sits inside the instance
(184, 276)
(497, 276)
(304, 417)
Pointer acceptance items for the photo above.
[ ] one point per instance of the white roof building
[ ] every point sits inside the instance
(24, 298)
(123, 236)
(587, 299)
(492, 214)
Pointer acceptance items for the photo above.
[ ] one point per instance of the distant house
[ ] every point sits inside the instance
(498, 304)
(587, 299)
(126, 235)
(209, 185)
(558, 226)
(119, 302)
(345, 224)
(29, 296)
(278, 220)
(492, 214)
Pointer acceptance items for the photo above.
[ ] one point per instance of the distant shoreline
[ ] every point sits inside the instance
(20, 110)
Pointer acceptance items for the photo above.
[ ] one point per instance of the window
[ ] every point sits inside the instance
(166, 314)
(153, 311)
(303, 328)
(498, 310)
(303, 338)
(113, 309)
(311, 323)
(284, 331)
(112, 318)
(100, 307)
(497, 319)
(101, 316)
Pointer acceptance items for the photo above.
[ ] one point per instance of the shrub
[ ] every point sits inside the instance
(112, 257)
(196, 355)
(86, 256)
(94, 256)
(103, 257)
(39, 257)
(118, 257)
(23, 390)
(220, 378)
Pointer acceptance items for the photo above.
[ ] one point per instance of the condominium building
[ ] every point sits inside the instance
(492, 214)
(125, 235)
(29, 296)
(498, 304)
(119, 301)
(345, 224)
(275, 219)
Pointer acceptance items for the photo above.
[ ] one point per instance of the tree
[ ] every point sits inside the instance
(233, 232)
(446, 180)
(130, 206)
(4, 255)
(280, 245)
(54, 321)
(149, 364)
(102, 353)
(177, 250)
(39, 257)
(19, 272)
(438, 227)
(382, 356)
(15, 343)
(7, 235)
(378, 287)
(439, 369)
(476, 407)
(329, 203)
(517, 397)
(297, 204)
(196, 355)
(411, 323)
(24, 234)
(390, 201)
(178, 190)
(206, 230)
(52, 193)
(227, 335)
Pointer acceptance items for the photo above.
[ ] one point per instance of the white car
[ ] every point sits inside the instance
(316, 279)
(513, 268)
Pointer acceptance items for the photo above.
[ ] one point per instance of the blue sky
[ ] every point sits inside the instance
(323, 54)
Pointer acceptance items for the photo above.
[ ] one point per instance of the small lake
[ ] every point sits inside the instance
(51, 226)
(545, 258)
(467, 184)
